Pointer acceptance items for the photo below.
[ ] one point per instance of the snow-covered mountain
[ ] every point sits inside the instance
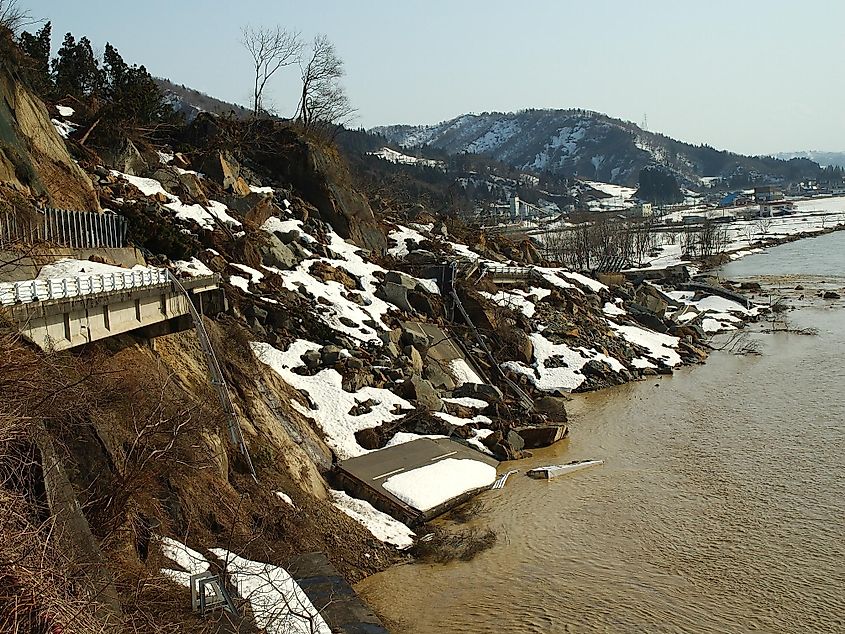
(834, 159)
(585, 144)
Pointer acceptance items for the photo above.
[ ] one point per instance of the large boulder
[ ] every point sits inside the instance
(276, 254)
(125, 158)
(553, 406)
(395, 294)
(422, 392)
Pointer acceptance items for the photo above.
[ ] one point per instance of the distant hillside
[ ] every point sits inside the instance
(191, 102)
(825, 159)
(592, 146)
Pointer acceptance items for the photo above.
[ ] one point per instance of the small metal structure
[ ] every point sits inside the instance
(208, 592)
(503, 479)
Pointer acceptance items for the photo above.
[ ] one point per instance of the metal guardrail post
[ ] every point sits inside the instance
(217, 379)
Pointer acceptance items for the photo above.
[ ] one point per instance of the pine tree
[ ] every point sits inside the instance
(133, 96)
(76, 71)
(37, 50)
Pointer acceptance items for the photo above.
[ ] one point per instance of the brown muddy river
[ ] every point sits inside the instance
(720, 508)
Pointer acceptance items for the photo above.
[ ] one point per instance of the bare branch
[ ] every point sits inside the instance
(271, 49)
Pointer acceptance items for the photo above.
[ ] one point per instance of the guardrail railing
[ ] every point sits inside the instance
(30, 291)
(74, 229)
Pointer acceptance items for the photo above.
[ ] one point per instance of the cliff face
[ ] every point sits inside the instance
(33, 157)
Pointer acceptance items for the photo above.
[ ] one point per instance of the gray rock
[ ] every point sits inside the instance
(414, 338)
(554, 406)
(276, 254)
(395, 277)
(422, 392)
(438, 377)
(416, 360)
(515, 441)
(330, 354)
(395, 294)
(311, 359)
(355, 363)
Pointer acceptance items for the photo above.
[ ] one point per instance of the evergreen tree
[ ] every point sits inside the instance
(76, 71)
(132, 95)
(659, 186)
(37, 50)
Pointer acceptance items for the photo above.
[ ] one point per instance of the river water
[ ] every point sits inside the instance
(721, 506)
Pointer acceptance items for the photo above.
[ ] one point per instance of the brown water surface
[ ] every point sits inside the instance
(721, 506)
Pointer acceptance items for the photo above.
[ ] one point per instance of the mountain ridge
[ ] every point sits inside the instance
(592, 145)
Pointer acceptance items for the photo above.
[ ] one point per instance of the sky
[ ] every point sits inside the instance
(751, 76)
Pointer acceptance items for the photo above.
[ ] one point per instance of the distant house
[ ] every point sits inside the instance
(644, 210)
(767, 193)
(776, 208)
(734, 199)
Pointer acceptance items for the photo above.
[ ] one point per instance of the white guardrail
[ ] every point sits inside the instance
(29, 291)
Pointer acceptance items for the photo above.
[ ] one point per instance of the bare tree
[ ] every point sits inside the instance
(323, 99)
(271, 48)
(13, 17)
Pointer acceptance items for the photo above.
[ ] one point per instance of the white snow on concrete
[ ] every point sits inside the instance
(332, 403)
(467, 401)
(461, 371)
(429, 486)
(381, 525)
(71, 267)
(279, 605)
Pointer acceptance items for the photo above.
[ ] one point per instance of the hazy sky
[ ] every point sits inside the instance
(754, 76)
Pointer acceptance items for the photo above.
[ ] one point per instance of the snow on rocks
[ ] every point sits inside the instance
(192, 268)
(662, 348)
(285, 498)
(519, 300)
(65, 111)
(147, 186)
(429, 486)
(467, 401)
(279, 605)
(381, 525)
(558, 366)
(331, 402)
(206, 216)
(402, 235)
(361, 319)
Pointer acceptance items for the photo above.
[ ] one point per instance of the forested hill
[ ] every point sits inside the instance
(592, 146)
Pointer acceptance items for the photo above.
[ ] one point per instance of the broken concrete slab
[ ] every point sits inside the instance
(364, 476)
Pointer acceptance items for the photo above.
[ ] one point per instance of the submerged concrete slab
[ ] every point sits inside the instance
(363, 477)
(342, 609)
